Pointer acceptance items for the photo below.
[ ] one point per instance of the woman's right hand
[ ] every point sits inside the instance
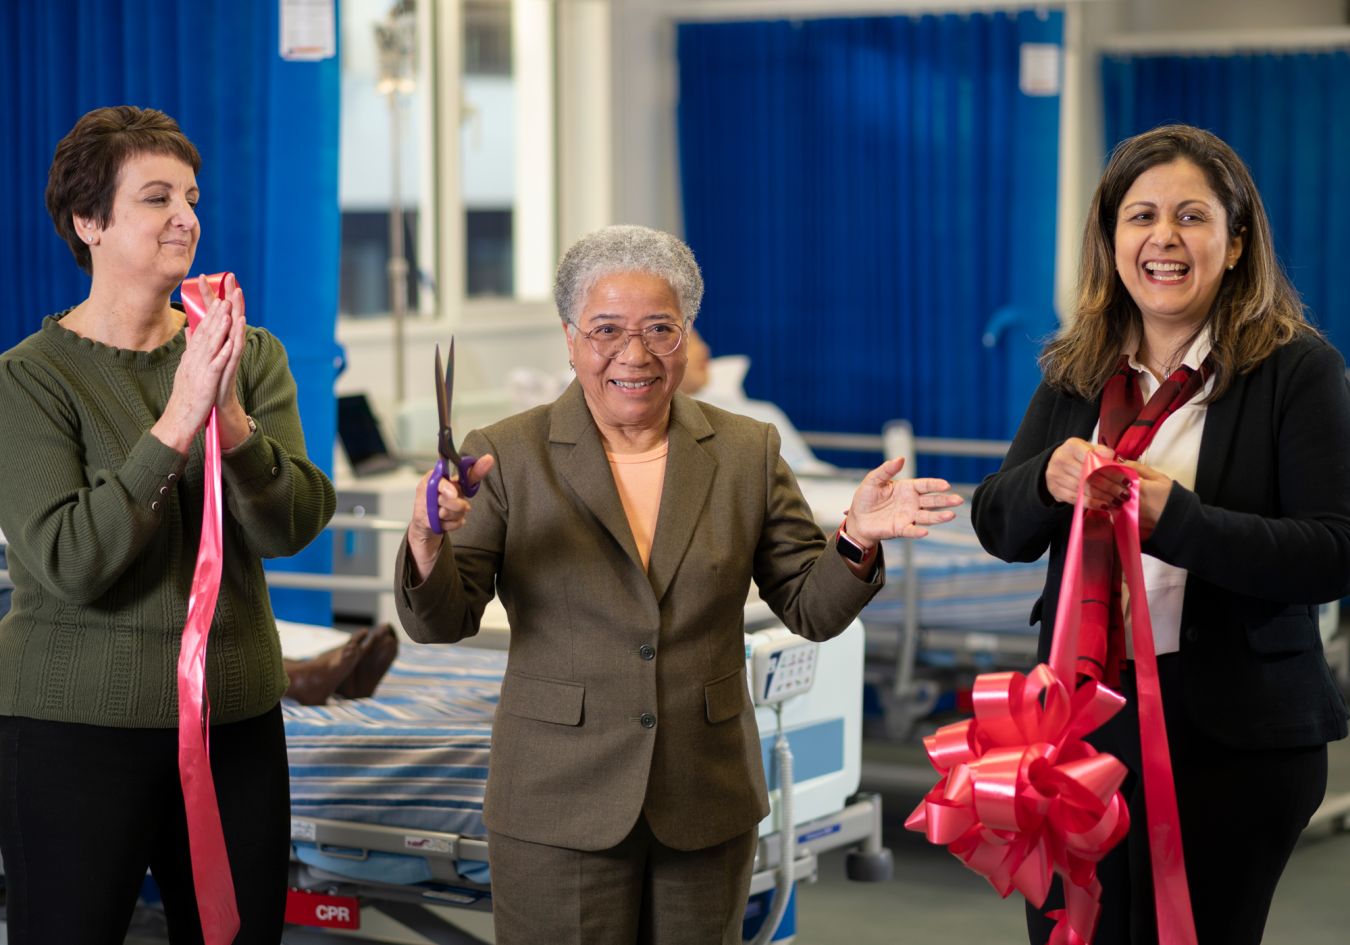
(208, 359)
(1104, 490)
(423, 543)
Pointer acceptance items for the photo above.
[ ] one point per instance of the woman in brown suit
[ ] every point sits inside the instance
(622, 526)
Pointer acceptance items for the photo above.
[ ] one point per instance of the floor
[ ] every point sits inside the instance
(933, 898)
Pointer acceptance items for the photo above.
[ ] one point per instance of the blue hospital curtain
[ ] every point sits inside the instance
(1286, 115)
(267, 130)
(869, 198)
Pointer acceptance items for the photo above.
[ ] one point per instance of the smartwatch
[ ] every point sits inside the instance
(850, 549)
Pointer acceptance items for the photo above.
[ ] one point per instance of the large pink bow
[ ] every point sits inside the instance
(1022, 796)
(206, 839)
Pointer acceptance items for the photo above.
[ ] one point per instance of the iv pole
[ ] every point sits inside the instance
(396, 41)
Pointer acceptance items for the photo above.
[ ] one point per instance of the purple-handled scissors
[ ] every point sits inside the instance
(450, 463)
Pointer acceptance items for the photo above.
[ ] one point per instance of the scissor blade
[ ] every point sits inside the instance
(442, 400)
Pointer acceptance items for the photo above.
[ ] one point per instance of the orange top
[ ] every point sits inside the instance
(639, 478)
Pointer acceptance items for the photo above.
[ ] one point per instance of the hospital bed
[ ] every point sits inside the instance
(387, 792)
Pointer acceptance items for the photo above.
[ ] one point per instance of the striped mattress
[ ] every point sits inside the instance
(415, 755)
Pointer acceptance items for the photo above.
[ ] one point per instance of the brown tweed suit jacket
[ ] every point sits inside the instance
(625, 689)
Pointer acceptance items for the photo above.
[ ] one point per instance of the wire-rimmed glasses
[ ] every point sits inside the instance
(610, 341)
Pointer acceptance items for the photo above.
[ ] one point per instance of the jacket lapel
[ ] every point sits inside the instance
(689, 477)
(586, 468)
(1221, 419)
(688, 480)
(1081, 418)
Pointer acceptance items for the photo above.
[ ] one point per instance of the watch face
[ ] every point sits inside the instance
(848, 549)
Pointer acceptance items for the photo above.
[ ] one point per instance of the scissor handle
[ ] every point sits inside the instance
(467, 488)
(433, 497)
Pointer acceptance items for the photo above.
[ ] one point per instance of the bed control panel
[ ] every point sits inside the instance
(782, 665)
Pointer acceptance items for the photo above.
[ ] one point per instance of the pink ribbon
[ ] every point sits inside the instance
(206, 839)
(1022, 796)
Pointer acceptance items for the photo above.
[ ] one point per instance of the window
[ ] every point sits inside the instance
(487, 150)
(507, 148)
(457, 97)
(384, 126)
(504, 144)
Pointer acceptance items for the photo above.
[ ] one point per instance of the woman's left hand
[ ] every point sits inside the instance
(233, 418)
(1154, 488)
(886, 507)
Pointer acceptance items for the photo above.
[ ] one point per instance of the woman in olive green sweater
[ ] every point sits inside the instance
(100, 415)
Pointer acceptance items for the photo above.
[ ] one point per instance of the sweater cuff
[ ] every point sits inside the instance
(1175, 524)
(1042, 490)
(845, 585)
(151, 471)
(251, 460)
(429, 594)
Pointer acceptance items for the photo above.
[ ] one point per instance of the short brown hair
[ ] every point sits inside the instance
(82, 181)
(1256, 311)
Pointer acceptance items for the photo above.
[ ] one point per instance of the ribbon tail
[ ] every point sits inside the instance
(211, 876)
(1076, 923)
(1176, 922)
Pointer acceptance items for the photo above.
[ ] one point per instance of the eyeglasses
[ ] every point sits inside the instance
(610, 341)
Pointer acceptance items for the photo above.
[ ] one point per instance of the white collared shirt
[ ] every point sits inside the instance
(1174, 452)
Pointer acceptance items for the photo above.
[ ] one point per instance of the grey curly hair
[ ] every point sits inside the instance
(626, 248)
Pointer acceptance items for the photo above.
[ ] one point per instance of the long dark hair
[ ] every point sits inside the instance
(1256, 311)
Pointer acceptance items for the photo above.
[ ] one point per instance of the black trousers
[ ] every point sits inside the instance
(85, 809)
(1241, 814)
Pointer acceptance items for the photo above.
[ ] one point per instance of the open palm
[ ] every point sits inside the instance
(886, 507)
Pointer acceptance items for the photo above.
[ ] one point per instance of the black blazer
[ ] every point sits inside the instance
(1265, 537)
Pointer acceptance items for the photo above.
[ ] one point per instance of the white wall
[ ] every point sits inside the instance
(1205, 15)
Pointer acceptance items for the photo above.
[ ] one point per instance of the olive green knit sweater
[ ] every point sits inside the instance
(103, 522)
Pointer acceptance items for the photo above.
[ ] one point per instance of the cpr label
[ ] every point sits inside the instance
(328, 912)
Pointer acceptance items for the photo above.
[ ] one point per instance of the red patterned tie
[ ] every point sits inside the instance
(206, 839)
(1127, 425)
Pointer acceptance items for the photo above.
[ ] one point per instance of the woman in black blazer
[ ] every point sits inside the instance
(1244, 515)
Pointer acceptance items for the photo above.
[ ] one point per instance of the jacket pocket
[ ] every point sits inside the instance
(1283, 635)
(727, 696)
(545, 700)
